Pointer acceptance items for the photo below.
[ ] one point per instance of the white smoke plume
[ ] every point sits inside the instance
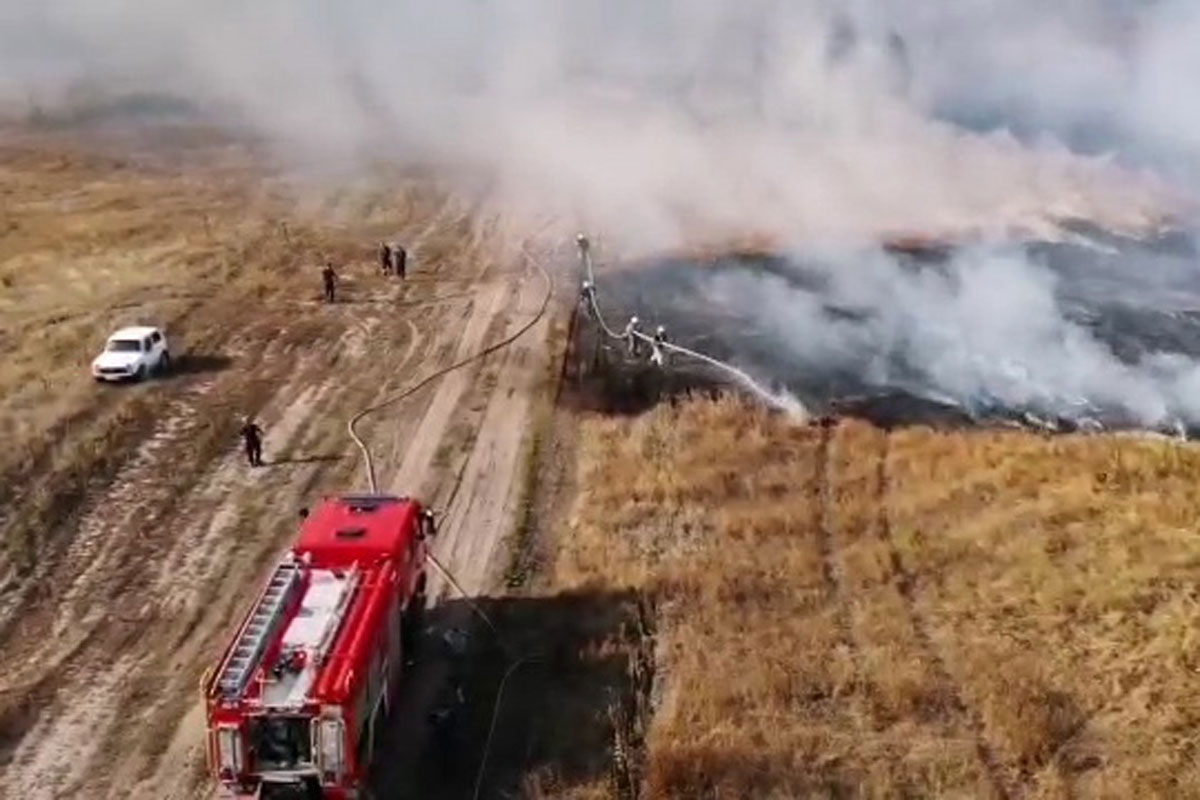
(656, 122)
(986, 332)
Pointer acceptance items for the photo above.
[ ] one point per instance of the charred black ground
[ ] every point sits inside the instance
(1135, 297)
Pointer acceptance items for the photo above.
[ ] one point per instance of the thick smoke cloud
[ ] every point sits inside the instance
(657, 122)
(991, 330)
(661, 124)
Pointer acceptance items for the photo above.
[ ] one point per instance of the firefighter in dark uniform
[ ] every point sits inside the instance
(399, 260)
(252, 438)
(329, 280)
(385, 258)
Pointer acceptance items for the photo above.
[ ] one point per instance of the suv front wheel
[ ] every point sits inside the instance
(164, 362)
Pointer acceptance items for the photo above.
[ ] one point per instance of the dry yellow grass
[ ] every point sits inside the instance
(93, 242)
(846, 612)
(190, 233)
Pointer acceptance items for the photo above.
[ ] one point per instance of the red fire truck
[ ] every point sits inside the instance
(296, 701)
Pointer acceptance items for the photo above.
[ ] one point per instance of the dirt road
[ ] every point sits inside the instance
(108, 637)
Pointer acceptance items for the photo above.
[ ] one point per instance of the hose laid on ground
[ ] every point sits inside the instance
(783, 402)
(352, 426)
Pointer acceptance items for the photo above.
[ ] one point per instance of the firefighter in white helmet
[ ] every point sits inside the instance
(631, 337)
(587, 297)
(658, 356)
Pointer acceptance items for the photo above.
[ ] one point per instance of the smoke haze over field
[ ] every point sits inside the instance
(660, 124)
(1106, 331)
(655, 120)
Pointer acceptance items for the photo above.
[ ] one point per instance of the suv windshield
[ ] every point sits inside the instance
(124, 346)
(281, 742)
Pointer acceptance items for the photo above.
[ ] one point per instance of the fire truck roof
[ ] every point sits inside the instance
(358, 529)
(309, 631)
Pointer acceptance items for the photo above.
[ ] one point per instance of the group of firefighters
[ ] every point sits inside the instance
(393, 260)
(632, 336)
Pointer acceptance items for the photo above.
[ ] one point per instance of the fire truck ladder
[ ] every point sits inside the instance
(259, 629)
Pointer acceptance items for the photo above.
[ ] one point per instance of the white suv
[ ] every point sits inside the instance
(132, 353)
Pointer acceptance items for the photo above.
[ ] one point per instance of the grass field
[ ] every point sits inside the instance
(842, 611)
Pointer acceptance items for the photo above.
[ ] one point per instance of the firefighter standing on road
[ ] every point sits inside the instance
(252, 438)
(399, 260)
(329, 279)
(385, 258)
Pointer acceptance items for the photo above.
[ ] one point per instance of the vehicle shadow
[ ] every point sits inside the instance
(198, 364)
(567, 663)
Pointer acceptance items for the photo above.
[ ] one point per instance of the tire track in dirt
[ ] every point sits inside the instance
(414, 473)
(83, 556)
(132, 495)
(388, 438)
(482, 505)
(135, 496)
(408, 418)
(906, 586)
(56, 752)
(831, 567)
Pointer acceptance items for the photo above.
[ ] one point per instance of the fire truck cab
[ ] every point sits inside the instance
(296, 701)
